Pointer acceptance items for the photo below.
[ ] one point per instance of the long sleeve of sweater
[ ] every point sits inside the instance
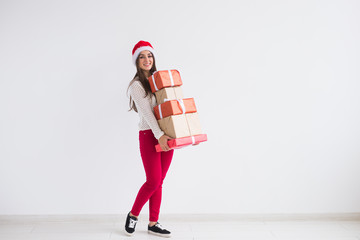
(145, 109)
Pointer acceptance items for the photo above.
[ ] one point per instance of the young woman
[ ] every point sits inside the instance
(156, 164)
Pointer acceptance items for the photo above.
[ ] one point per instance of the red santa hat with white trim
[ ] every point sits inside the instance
(139, 47)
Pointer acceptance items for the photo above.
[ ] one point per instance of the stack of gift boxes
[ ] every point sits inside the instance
(177, 116)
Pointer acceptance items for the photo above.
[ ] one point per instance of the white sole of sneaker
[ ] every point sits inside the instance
(159, 234)
(128, 234)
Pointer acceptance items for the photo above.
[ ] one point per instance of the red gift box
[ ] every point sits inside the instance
(164, 78)
(183, 142)
(174, 107)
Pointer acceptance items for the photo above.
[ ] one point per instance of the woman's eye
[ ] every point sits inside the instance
(150, 56)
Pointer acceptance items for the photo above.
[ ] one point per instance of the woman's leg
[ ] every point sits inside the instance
(155, 199)
(153, 169)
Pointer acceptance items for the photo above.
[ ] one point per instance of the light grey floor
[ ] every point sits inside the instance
(205, 227)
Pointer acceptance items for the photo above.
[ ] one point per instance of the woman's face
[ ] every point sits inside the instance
(145, 60)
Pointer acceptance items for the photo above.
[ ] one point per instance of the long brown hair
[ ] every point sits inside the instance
(141, 77)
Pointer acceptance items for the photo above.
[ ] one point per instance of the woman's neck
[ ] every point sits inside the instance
(147, 74)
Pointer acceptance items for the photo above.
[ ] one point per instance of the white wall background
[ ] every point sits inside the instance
(276, 84)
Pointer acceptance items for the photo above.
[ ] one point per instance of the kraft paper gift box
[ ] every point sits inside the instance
(164, 78)
(169, 93)
(174, 107)
(183, 125)
(183, 142)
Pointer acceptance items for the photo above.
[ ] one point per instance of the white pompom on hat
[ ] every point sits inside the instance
(139, 47)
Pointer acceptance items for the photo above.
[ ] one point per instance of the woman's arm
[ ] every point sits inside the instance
(144, 108)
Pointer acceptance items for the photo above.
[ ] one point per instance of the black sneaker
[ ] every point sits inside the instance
(158, 230)
(130, 224)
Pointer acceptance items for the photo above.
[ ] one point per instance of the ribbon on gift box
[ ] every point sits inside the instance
(181, 103)
(193, 140)
(171, 80)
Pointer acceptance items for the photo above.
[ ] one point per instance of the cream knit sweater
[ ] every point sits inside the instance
(145, 107)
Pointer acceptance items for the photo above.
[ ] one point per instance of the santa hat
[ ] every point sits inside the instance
(139, 47)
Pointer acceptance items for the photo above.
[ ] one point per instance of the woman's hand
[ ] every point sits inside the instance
(163, 142)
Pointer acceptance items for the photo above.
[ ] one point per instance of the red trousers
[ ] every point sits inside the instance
(156, 165)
